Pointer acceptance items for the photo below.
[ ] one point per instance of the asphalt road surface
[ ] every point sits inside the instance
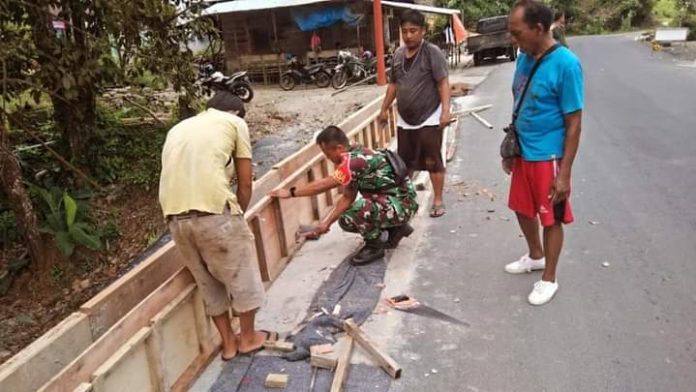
(628, 326)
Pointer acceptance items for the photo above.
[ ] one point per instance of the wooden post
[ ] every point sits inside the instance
(379, 42)
(280, 226)
(342, 366)
(325, 173)
(316, 214)
(260, 249)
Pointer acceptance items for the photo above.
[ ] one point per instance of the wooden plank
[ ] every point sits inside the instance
(128, 369)
(83, 366)
(84, 387)
(177, 326)
(383, 359)
(271, 241)
(260, 249)
(45, 357)
(342, 366)
(112, 303)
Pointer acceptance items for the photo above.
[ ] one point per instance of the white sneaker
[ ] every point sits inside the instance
(525, 264)
(543, 292)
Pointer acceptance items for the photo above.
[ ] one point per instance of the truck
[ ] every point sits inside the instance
(492, 40)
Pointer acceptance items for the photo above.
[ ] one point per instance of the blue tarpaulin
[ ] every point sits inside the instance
(316, 19)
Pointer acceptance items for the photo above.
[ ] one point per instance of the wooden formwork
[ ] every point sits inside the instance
(148, 331)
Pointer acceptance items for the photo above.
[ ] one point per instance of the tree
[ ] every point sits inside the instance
(62, 49)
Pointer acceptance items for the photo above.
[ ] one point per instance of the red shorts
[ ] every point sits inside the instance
(529, 192)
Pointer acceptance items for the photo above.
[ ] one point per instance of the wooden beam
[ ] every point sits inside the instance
(342, 366)
(383, 359)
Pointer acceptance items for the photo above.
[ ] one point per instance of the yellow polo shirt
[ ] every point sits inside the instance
(195, 173)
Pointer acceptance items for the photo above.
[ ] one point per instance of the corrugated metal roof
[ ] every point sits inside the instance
(422, 8)
(255, 5)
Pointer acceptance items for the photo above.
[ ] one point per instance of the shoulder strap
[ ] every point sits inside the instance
(529, 80)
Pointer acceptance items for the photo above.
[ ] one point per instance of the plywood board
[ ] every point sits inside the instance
(120, 297)
(176, 325)
(46, 356)
(85, 364)
(127, 370)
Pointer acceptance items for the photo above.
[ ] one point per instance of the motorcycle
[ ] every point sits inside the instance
(297, 73)
(352, 68)
(238, 83)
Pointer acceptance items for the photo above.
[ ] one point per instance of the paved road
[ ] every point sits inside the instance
(627, 327)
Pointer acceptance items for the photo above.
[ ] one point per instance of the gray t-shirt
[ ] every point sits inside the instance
(416, 78)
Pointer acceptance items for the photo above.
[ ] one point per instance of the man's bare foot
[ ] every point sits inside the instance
(229, 351)
(256, 343)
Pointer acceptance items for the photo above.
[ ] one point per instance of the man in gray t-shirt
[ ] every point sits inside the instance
(419, 83)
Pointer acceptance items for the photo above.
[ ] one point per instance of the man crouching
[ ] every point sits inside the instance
(387, 202)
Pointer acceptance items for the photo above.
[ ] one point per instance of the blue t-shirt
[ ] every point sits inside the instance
(556, 90)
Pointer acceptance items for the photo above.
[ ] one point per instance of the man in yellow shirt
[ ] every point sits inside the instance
(207, 219)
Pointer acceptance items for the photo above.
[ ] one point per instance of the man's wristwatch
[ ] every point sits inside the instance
(292, 191)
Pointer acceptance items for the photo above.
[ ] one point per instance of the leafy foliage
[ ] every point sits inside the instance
(66, 220)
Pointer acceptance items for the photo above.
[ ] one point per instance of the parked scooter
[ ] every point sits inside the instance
(238, 83)
(352, 68)
(297, 73)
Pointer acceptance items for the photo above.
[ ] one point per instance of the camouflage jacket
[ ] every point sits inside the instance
(370, 173)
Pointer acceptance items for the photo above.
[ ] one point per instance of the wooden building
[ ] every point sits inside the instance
(258, 35)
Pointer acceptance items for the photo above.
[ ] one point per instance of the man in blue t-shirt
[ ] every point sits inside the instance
(548, 127)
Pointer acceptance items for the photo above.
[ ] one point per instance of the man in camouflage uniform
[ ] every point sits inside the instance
(386, 205)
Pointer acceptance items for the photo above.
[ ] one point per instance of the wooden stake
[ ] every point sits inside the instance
(383, 360)
(482, 120)
(275, 380)
(342, 366)
(277, 345)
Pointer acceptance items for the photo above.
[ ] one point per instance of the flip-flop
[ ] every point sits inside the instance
(230, 358)
(269, 335)
(438, 211)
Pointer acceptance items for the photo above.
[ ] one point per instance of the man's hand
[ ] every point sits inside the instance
(383, 118)
(280, 193)
(507, 165)
(444, 119)
(560, 189)
(322, 229)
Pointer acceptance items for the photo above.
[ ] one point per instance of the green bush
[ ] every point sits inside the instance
(66, 220)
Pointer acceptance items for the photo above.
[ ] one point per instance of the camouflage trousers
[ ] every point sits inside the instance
(371, 215)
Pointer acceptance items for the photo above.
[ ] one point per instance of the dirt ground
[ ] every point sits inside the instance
(274, 110)
(280, 122)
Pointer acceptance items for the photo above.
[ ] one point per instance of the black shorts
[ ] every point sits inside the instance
(421, 148)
